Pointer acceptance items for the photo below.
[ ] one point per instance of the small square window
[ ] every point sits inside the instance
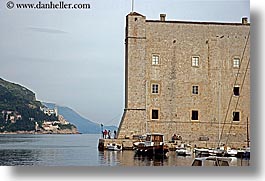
(155, 88)
(195, 61)
(195, 89)
(236, 63)
(155, 113)
(236, 116)
(236, 91)
(194, 115)
(155, 60)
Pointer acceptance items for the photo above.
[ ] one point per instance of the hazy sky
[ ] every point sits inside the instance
(75, 58)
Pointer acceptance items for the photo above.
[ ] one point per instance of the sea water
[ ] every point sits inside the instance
(77, 150)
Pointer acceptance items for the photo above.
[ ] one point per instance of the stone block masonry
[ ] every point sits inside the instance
(187, 78)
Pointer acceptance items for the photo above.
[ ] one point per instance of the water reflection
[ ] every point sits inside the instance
(48, 150)
(148, 161)
(110, 158)
(19, 157)
(128, 158)
(77, 150)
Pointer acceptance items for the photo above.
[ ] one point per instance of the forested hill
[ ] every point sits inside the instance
(19, 109)
(13, 96)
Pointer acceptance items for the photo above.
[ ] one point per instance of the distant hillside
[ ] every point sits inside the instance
(14, 95)
(19, 109)
(83, 125)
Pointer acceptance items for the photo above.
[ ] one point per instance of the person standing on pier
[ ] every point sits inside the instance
(109, 134)
(105, 134)
(101, 125)
(115, 134)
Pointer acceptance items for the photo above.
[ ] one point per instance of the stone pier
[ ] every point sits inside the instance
(127, 144)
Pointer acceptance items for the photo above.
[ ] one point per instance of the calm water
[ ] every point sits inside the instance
(76, 150)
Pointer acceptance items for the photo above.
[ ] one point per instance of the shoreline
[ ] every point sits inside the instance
(33, 132)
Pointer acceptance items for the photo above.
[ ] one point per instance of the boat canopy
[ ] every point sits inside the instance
(211, 161)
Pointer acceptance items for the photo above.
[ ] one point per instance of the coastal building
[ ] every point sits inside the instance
(37, 127)
(62, 120)
(12, 116)
(12, 119)
(191, 79)
(49, 126)
(49, 111)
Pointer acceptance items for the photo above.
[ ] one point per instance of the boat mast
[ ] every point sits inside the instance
(132, 5)
(236, 79)
(219, 114)
(247, 134)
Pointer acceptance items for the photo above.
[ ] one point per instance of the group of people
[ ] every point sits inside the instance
(106, 134)
(176, 137)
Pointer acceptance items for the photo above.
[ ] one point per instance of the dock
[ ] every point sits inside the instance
(127, 144)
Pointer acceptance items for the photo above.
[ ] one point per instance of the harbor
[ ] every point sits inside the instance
(57, 150)
(127, 144)
(146, 87)
(206, 116)
(128, 158)
(153, 146)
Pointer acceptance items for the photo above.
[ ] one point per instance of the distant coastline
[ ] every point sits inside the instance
(43, 132)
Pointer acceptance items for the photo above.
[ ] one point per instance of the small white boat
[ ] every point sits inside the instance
(183, 150)
(243, 153)
(211, 161)
(137, 143)
(231, 152)
(201, 152)
(114, 147)
(216, 152)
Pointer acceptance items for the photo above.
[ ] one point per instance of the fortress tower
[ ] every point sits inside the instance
(186, 78)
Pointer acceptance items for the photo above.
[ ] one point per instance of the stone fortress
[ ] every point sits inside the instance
(191, 79)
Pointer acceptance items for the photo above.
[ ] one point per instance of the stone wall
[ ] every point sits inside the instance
(176, 42)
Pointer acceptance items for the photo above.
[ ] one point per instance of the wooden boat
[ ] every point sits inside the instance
(152, 146)
(211, 161)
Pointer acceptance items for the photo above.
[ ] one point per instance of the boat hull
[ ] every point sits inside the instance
(114, 147)
(151, 151)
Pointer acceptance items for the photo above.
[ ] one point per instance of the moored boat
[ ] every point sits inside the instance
(230, 152)
(243, 153)
(153, 146)
(114, 147)
(201, 152)
(247, 153)
(219, 151)
(183, 150)
(211, 161)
